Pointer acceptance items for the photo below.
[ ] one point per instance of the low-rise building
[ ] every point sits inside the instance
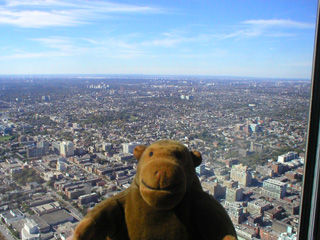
(57, 217)
(30, 231)
(46, 208)
(88, 198)
(245, 232)
(269, 234)
(258, 206)
(12, 215)
(272, 214)
(288, 157)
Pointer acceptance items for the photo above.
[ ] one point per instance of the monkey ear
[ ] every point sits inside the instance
(196, 157)
(138, 150)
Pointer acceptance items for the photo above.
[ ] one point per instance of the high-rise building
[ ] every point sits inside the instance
(234, 194)
(61, 165)
(34, 152)
(45, 145)
(106, 146)
(257, 147)
(55, 147)
(277, 167)
(46, 98)
(129, 147)
(214, 189)
(66, 149)
(274, 188)
(241, 174)
(201, 169)
(255, 127)
(235, 211)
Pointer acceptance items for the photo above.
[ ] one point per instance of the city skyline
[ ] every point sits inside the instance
(227, 38)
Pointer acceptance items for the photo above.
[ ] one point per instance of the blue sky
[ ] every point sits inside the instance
(254, 38)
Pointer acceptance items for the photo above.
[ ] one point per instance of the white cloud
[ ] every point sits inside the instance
(59, 43)
(269, 28)
(116, 44)
(52, 47)
(166, 42)
(96, 6)
(37, 19)
(172, 40)
(33, 55)
(242, 33)
(120, 46)
(46, 13)
(18, 3)
(64, 46)
(283, 23)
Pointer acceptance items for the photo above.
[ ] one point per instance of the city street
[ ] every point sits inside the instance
(6, 233)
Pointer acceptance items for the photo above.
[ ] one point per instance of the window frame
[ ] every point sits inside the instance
(309, 223)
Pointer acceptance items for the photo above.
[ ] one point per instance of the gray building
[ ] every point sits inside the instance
(234, 194)
(35, 152)
(241, 174)
(274, 189)
(258, 206)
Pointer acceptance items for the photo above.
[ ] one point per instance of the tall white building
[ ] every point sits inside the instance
(61, 165)
(30, 231)
(129, 147)
(66, 149)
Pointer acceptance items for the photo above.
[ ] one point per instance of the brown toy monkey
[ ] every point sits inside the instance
(164, 201)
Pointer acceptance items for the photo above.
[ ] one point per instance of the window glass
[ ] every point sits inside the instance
(84, 82)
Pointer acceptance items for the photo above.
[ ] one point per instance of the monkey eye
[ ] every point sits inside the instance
(150, 154)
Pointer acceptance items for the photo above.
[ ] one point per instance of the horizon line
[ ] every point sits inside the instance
(151, 75)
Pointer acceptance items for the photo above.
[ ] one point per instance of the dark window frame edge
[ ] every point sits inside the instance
(309, 224)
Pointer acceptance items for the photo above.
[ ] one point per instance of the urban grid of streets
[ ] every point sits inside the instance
(231, 121)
